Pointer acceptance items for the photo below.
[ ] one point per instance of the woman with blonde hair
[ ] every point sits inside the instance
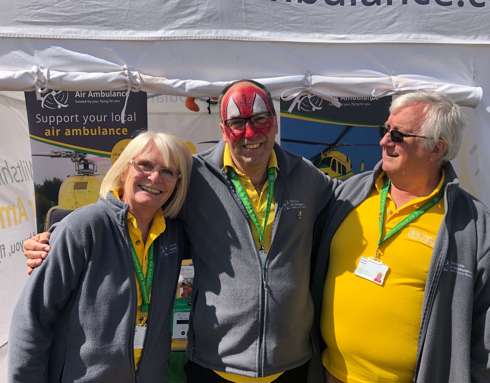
(99, 308)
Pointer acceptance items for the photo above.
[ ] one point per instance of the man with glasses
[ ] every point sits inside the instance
(407, 294)
(249, 217)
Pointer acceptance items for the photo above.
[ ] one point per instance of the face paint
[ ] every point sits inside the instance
(242, 102)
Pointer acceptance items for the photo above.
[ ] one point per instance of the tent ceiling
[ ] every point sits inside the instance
(331, 47)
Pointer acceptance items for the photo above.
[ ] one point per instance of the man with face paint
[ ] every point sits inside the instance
(249, 217)
(249, 127)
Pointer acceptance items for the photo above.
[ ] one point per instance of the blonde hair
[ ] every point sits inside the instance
(172, 150)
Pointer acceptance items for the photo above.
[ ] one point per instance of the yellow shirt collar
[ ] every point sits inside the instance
(378, 184)
(228, 161)
(158, 223)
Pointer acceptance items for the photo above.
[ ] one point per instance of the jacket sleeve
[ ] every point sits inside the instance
(480, 353)
(41, 304)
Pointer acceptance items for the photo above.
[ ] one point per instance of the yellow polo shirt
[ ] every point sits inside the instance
(259, 202)
(371, 331)
(157, 227)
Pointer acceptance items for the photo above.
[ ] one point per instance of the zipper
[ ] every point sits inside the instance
(264, 289)
(432, 292)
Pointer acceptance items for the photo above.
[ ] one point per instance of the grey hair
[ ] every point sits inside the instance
(443, 119)
(172, 150)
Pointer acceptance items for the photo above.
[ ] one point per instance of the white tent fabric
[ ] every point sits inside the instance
(195, 47)
(253, 20)
(347, 85)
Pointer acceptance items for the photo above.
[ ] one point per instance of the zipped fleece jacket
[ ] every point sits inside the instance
(252, 316)
(76, 316)
(454, 338)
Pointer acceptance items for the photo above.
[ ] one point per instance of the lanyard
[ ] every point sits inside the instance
(242, 194)
(400, 225)
(144, 282)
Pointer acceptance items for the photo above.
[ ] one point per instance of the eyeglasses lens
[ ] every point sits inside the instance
(239, 123)
(395, 135)
(148, 168)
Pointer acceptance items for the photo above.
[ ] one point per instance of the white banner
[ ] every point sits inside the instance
(435, 21)
(17, 210)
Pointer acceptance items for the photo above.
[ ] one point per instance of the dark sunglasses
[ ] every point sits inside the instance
(396, 135)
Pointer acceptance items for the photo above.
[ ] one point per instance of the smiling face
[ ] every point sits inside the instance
(409, 159)
(146, 192)
(251, 140)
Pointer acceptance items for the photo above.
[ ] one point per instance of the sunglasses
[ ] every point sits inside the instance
(397, 136)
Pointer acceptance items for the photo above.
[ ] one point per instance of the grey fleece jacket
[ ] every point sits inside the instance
(454, 338)
(252, 316)
(75, 319)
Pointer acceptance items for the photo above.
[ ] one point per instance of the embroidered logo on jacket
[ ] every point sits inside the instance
(168, 250)
(294, 204)
(458, 268)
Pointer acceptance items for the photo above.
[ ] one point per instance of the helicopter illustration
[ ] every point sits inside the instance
(335, 164)
(79, 189)
(330, 160)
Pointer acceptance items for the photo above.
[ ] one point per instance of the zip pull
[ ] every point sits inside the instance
(262, 257)
(265, 285)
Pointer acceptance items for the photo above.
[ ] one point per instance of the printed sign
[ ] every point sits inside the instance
(75, 136)
(88, 121)
(340, 140)
(182, 306)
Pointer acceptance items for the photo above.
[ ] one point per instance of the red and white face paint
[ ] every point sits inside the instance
(243, 101)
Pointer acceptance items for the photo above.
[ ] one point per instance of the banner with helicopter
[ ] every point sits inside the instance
(75, 136)
(340, 136)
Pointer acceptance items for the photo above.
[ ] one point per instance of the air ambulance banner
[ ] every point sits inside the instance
(341, 137)
(90, 121)
(437, 21)
(75, 137)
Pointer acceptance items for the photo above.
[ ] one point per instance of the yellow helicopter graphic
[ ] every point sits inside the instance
(335, 164)
(330, 160)
(79, 189)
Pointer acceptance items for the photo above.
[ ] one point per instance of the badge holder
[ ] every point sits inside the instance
(372, 269)
(139, 337)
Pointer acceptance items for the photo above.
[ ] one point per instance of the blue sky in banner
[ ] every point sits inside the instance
(348, 134)
(360, 144)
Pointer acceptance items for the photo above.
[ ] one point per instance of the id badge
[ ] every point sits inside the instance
(139, 336)
(372, 269)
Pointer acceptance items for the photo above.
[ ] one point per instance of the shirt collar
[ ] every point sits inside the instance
(158, 223)
(380, 180)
